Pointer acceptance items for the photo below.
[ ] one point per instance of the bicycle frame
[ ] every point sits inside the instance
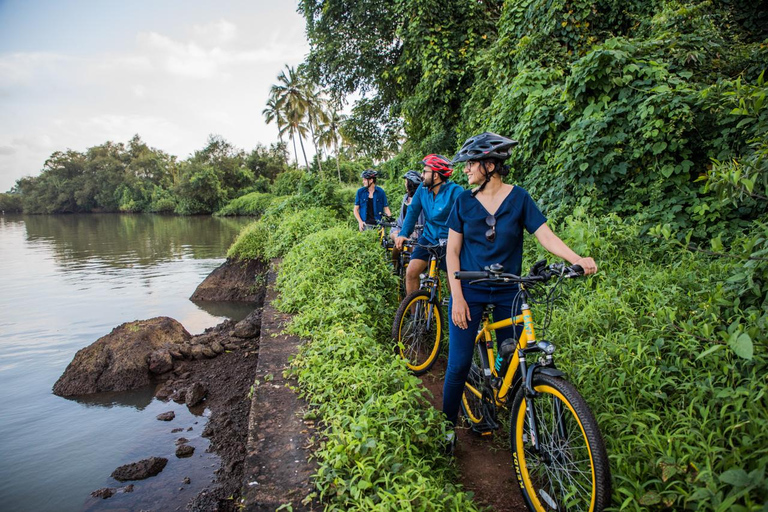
(527, 338)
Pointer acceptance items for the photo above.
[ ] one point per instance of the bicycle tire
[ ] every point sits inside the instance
(421, 342)
(472, 406)
(572, 467)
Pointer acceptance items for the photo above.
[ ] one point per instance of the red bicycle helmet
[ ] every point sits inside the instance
(439, 164)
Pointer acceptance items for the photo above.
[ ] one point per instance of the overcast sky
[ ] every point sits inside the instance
(76, 73)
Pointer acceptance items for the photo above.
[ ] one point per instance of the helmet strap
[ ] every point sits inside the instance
(487, 178)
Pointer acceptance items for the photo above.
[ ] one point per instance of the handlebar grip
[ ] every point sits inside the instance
(578, 269)
(471, 275)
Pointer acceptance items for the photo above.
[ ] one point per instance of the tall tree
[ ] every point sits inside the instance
(292, 102)
(330, 135)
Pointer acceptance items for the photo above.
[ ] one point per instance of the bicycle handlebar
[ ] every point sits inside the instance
(540, 272)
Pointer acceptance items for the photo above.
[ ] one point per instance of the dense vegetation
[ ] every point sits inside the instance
(643, 130)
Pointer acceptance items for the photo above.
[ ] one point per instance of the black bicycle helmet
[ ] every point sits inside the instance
(413, 177)
(368, 174)
(485, 146)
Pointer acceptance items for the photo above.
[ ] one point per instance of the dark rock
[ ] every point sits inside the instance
(177, 430)
(208, 352)
(160, 361)
(234, 280)
(140, 470)
(181, 440)
(195, 394)
(216, 347)
(186, 351)
(104, 492)
(185, 451)
(166, 416)
(249, 327)
(187, 480)
(118, 361)
(128, 488)
(179, 396)
(176, 354)
(197, 352)
(163, 393)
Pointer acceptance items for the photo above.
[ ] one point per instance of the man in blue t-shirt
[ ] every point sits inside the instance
(435, 199)
(370, 201)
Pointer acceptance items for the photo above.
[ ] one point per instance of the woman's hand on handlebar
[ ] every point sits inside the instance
(460, 311)
(588, 264)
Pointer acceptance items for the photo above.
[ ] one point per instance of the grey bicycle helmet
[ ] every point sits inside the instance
(485, 146)
(368, 174)
(413, 177)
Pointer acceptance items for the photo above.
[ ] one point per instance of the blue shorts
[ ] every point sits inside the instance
(422, 254)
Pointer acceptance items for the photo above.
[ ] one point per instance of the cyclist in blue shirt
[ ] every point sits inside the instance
(370, 201)
(435, 198)
(485, 227)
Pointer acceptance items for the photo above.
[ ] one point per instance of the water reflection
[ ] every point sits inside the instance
(129, 241)
(234, 310)
(139, 399)
(67, 280)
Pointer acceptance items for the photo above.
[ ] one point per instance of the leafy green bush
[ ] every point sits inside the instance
(287, 183)
(294, 227)
(673, 363)
(278, 231)
(254, 204)
(381, 438)
(252, 243)
(10, 203)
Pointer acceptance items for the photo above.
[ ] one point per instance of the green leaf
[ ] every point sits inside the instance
(736, 477)
(650, 498)
(742, 345)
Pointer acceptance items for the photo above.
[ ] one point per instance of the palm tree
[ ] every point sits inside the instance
(273, 113)
(292, 102)
(316, 114)
(330, 135)
(295, 126)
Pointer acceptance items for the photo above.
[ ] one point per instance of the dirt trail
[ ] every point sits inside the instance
(485, 467)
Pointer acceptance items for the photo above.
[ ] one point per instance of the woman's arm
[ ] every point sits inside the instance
(460, 310)
(553, 244)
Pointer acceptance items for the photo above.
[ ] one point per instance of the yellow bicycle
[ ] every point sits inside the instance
(418, 327)
(557, 449)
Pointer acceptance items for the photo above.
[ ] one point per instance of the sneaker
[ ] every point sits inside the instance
(449, 444)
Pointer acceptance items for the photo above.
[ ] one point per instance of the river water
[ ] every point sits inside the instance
(65, 281)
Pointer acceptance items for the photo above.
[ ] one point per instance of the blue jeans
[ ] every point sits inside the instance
(461, 342)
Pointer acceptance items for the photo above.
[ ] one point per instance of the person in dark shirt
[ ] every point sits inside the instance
(485, 227)
(370, 201)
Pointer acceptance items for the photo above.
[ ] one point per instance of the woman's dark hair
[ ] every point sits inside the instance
(411, 187)
(498, 166)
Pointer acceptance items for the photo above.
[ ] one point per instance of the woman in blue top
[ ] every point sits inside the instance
(485, 227)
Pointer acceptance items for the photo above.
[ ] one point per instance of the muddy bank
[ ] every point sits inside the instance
(211, 372)
(234, 281)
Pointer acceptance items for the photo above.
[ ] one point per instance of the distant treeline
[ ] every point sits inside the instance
(133, 177)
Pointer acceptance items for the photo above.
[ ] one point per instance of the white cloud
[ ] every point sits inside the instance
(173, 88)
(214, 34)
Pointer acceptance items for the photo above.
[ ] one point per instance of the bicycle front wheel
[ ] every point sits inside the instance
(418, 327)
(570, 471)
(473, 404)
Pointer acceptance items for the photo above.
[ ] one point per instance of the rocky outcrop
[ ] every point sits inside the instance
(140, 470)
(234, 280)
(123, 359)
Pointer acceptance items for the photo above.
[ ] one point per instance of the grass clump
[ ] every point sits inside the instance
(253, 204)
(381, 438)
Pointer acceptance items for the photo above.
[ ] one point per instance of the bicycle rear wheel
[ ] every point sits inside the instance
(418, 327)
(571, 470)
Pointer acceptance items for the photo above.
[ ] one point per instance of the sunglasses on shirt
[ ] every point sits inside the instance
(490, 235)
